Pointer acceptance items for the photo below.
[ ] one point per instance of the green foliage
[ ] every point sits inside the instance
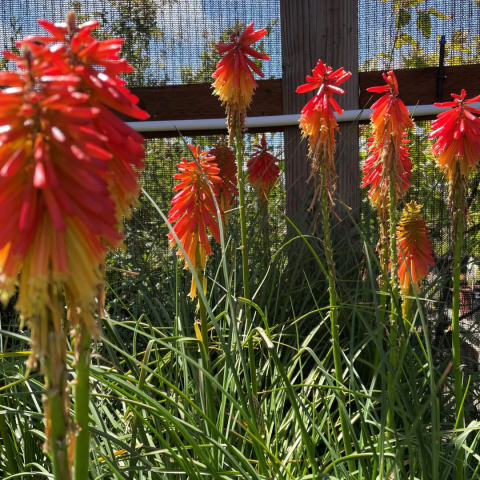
(404, 39)
(403, 18)
(438, 14)
(405, 14)
(136, 22)
(424, 23)
(147, 410)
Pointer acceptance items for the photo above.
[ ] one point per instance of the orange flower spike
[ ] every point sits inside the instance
(317, 120)
(415, 252)
(390, 116)
(458, 136)
(318, 124)
(377, 178)
(225, 160)
(97, 65)
(388, 152)
(193, 208)
(234, 82)
(263, 170)
(58, 213)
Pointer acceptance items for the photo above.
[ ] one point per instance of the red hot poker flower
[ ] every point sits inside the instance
(388, 160)
(458, 136)
(64, 183)
(377, 178)
(390, 117)
(55, 179)
(318, 122)
(234, 82)
(263, 170)
(193, 209)
(415, 252)
(58, 198)
(82, 55)
(227, 191)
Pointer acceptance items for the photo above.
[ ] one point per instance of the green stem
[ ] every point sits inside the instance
(457, 372)
(203, 316)
(205, 356)
(264, 231)
(82, 398)
(384, 263)
(383, 297)
(337, 356)
(393, 358)
(55, 378)
(244, 249)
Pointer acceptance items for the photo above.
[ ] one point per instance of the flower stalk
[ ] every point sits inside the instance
(318, 124)
(57, 429)
(82, 397)
(457, 147)
(334, 324)
(387, 171)
(244, 249)
(459, 190)
(235, 84)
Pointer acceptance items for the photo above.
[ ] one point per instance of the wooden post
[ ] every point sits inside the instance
(313, 30)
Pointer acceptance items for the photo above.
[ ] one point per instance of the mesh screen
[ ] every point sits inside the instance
(167, 41)
(406, 33)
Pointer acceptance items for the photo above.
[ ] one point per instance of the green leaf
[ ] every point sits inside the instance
(424, 23)
(477, 2)
(442, 15)
(403, 18)
(459, 37)
(404, 39)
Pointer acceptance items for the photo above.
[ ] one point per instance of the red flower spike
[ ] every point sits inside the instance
(226, 162)
(66, 171)
(263, 170)
(390, 117)
(458, 137)
(45, 196)
(415, 252)
(318, 123)
(377, 177)
(388, 152)
(234, 82)
(82, 54)
(193, 208)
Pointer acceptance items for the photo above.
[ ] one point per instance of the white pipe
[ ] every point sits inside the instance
(271, 121)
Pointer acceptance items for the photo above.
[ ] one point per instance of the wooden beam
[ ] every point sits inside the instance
(417, 85)
(195, 101)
